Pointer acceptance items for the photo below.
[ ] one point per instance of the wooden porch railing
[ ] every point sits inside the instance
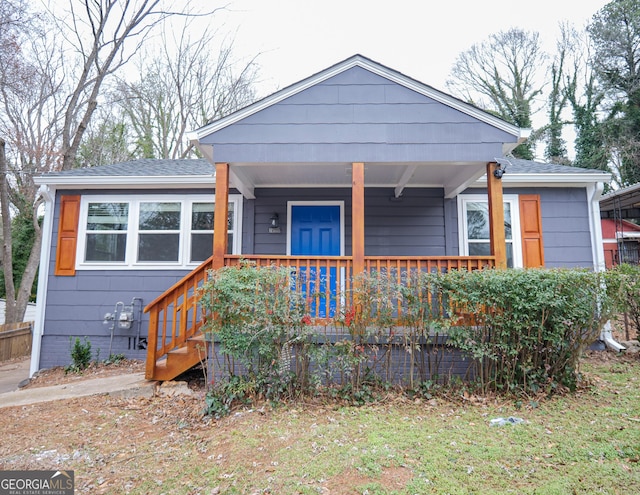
(326, 280)
(176, 317)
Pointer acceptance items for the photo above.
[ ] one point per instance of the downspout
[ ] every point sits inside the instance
(43, 277)
(594, 193)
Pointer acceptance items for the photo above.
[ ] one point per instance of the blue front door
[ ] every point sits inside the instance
(315, 231)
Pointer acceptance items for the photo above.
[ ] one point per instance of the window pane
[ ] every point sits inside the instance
(484, 249)
(107, 216)
(230, 217)
(106, 247)
(158, 247)
(202, 216)
(479, 249)
(477, 220)
(159, 216)
(507, 221)
(509, 255)
(201, 247)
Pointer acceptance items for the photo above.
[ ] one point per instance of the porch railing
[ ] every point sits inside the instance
(176, 315)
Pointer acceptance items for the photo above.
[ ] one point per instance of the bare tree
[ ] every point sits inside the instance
(184, 88)
(24, 89)
(107, 138)
(499, 75)
(98, 32)
(51, 81)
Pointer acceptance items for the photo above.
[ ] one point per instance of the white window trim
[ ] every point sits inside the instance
(513, 200)
(134, 201)
(315, 203)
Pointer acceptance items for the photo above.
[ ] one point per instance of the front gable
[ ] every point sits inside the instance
(358, 110)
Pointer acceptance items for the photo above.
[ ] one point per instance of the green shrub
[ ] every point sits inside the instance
(258, 318)
(80, 355)
(531, 326)
(524, 334)
(623, 284)
(223, 396)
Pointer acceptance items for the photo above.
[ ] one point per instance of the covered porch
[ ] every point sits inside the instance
(176, 318)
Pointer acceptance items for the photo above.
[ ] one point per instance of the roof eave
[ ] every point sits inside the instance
(549, 179)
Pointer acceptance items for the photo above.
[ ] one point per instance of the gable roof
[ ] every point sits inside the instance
(375, 68)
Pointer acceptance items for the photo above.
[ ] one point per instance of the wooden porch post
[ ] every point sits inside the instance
(221, 213)
(496, 216)
(357, 217)
(357, 232)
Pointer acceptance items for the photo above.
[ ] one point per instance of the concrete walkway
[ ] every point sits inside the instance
(13, 373)
(128, 385)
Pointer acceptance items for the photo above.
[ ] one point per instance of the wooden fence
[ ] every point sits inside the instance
(15, 340)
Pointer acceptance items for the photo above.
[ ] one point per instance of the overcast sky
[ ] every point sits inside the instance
(297, 38)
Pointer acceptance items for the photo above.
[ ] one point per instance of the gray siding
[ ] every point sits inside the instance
(411, 226)
(358, 116)
(565, 225)
(270, 201)
(421, 223)
(76, 305)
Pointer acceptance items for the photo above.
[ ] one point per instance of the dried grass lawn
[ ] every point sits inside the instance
(583, 443)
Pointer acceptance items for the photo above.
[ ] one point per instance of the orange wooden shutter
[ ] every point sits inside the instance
(67, 235)
(531, 230)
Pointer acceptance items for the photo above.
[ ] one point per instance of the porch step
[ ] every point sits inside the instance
(180, 360)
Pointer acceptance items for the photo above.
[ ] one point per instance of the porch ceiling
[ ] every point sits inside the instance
(452, 176)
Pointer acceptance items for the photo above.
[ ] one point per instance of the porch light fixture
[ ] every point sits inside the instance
(274, 224)
(274, 221)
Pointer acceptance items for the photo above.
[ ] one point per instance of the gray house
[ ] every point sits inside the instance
(356, 168)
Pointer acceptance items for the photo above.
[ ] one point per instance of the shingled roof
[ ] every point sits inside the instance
(519, 166)
(141, 168)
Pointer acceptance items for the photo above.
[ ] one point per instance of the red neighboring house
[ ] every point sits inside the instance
(621, 240)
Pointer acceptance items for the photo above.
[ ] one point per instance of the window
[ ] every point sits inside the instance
(106, 228)
(162, 231)
(473, 218)
(202, 215)
(159, 232)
